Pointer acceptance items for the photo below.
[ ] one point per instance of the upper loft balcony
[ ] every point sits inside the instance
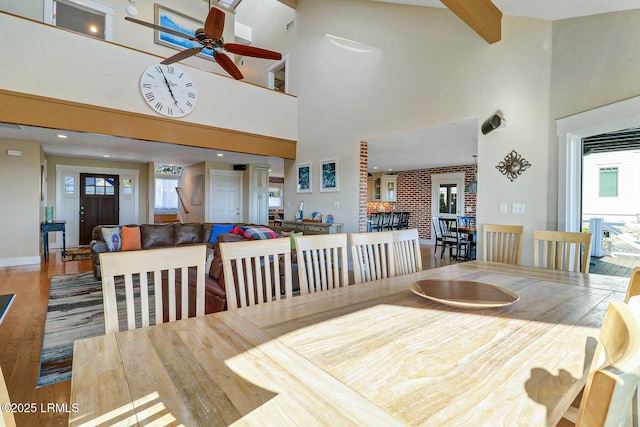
(61, 79)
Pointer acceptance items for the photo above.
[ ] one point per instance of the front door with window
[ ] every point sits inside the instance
(99, 203)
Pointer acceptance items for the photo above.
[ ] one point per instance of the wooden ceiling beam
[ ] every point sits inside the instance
(293, 4)
(481, 15)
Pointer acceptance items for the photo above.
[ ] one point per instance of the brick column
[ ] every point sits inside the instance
(364, 162)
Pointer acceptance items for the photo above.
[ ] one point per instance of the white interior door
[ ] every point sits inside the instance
(226, 196)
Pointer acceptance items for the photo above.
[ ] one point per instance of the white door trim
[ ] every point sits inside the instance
(70, 214)
(271, 80)
(571, 130)
(452, 177)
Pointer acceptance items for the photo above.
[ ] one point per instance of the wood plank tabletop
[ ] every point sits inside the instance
(367, 354)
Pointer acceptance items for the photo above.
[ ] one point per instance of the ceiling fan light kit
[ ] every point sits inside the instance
(210, 37)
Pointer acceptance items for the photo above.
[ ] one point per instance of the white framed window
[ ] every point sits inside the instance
(275, 197)
(83, 16)
(608, 182)
(167, 178)
(166, 199)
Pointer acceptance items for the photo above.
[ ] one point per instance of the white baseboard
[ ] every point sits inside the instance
(12, 262)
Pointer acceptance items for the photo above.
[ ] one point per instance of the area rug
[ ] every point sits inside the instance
(77, 254)
(5, 302)
(75, 311)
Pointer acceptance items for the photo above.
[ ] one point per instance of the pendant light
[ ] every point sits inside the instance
(472, 187)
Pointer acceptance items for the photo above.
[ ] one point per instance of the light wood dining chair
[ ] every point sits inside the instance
(322, 262)
(141, 264)
(562, 250)
(252, 271)
(372, 256)
(634, 285)
(608, 397)
(437, 235)
(501, 243)
(406, 249)
(6, 417)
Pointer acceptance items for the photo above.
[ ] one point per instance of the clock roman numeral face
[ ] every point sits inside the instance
(168, 90)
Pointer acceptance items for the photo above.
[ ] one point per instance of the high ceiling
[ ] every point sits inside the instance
(395, 152)
(544, 9)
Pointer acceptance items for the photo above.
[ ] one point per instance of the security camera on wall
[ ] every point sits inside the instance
(492, 123)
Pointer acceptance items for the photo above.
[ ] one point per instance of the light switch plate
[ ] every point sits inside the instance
(518, 208)
(503, 207)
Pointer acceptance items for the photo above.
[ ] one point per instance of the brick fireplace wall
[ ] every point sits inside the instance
(414, 196)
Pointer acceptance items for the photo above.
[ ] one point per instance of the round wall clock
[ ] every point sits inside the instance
(168, 90)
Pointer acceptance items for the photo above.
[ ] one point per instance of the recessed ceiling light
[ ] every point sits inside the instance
(390, 169)
(106, 155)
(220, 155)
(62, 136)
(375, 167)
(93, 29)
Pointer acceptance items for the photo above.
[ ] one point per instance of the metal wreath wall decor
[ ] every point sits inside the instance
(513, 165)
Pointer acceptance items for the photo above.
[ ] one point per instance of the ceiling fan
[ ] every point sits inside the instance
(210, 37)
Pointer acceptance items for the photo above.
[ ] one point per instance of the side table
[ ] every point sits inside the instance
(48, 227)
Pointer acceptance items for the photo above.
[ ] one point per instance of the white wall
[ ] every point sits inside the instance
(268, 20)
(595, 63)
(20, 193)
(134, 35)
(85, 70)
(425, 67)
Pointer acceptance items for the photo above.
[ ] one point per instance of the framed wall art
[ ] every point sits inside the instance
(180, 22)
(329, 175)
(303, 178)
(196, 196)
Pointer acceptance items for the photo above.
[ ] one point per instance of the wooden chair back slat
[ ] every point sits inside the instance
(406, 248)
(502, 243)
(372, 255)
(634, 285)
(562, 250)
(252, 272)
(6, 417)
(140, 264)
(608, 397)
(322, 262)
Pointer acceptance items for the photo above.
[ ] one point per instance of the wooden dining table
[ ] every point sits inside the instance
(366, 354)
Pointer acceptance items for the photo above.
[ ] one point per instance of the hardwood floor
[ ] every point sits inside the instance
(21, 337)
(22, 328)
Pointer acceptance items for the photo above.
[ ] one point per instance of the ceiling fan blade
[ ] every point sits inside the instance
(163, 29)
(228, 65)
(255, 52)
(214, 24)
(182, 55)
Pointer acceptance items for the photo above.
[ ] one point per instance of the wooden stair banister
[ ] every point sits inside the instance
(184, 206)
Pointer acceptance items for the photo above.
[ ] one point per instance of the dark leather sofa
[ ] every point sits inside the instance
(154, 236)
(166, 235)
(216, 271)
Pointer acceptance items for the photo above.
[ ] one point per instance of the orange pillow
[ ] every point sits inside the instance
(130, 238)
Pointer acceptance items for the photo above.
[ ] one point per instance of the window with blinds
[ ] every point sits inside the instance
(608, 182)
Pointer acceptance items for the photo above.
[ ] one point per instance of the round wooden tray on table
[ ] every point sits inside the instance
(464, 293)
